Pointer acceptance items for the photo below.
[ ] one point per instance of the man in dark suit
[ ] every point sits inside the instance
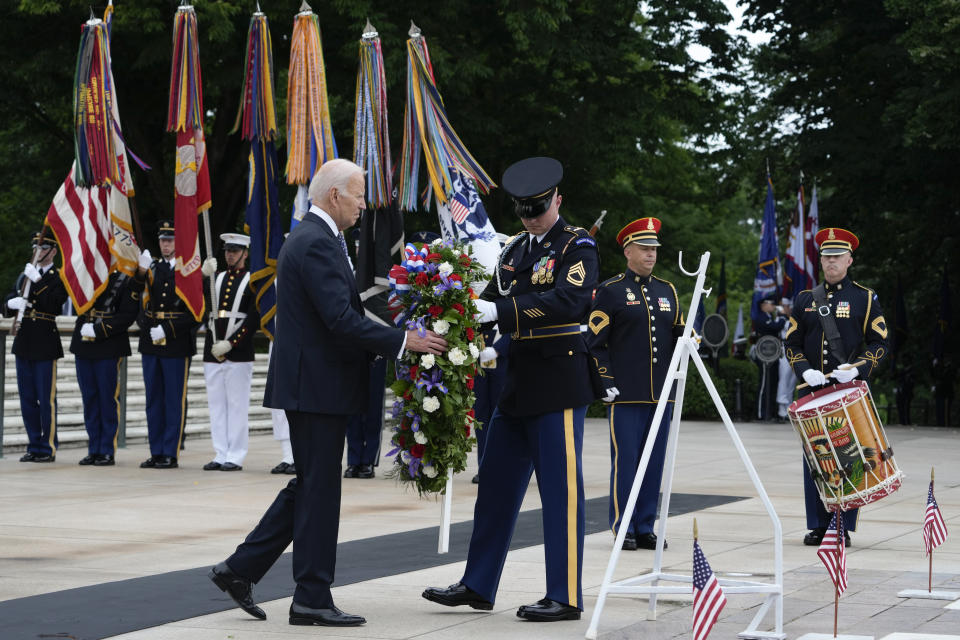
(37, 347)
(318, 374)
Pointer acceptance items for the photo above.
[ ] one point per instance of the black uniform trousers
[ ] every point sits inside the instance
(306, 512)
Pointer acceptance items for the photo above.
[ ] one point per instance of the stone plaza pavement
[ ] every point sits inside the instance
(63, 526)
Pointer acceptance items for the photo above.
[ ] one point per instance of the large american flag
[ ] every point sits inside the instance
(832, 553)
(934, 528)
(708, 598)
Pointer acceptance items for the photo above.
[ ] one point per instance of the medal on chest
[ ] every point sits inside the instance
(843, 309)
(664, 304)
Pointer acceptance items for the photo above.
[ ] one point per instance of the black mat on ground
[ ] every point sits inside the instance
(113, 608)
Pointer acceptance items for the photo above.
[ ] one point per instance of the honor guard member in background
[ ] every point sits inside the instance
(836, 331)
(632, 329)
(546, 278)
(767, 321)
(167, 342)
(228, 354)
(37, 347)
(100, 342)
(786, 380)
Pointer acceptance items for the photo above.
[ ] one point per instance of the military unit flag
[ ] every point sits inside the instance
(768, 278)
(934, 528)
(832, 554)
(708, 598)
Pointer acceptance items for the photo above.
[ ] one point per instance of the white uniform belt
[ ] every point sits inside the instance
(237, 315)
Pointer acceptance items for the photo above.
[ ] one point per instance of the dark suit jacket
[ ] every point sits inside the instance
(324, 342)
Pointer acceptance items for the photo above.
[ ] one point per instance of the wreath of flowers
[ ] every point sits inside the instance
(434, 406)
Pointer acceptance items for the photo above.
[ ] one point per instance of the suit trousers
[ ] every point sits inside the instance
(165, 380)
(99, 380)
(550, 444)
(363, 430)
(630, 425)
(228, 395)
(37, 384)
(305, 512)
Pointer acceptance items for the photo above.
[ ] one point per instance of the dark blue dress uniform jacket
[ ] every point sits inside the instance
(641, 317)
(549, 368)
(242, 339)
(114, 310)
(162, 306)
(37, 336)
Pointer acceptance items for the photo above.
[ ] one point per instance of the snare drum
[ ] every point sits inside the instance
(845, 446)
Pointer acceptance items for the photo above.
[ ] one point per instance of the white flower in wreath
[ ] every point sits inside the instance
(474, 351)
(437, 242)
(419, 437)
(429, 470)
(406, 457)
(430, 404)
(456, 356)
(427, 361)
(445, 269)
(440, 327)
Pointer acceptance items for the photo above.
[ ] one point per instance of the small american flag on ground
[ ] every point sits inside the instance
(934, 528)
(832, 554)
(708, 598)
(459, 207)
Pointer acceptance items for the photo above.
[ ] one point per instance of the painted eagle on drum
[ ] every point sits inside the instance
(852, 466)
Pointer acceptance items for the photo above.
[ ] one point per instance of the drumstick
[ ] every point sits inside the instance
(855, 364)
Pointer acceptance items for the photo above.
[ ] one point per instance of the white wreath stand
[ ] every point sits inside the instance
(684, 352)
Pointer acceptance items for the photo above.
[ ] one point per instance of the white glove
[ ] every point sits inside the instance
(487, 311)
(814, 377)
(845, 373)
(86, 330)
(612, 393)
(488, 354)
(157, 334)
(209, 266)
(16, 304)
(145, 259)
(31, 272)
(220, 348)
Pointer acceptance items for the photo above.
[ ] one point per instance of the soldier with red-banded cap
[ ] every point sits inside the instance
(632, 329)
(856, 350)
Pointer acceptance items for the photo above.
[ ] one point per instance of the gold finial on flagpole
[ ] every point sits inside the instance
(695, 529)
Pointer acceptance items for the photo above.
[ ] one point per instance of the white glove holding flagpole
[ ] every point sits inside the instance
(612, 393)
(488, 354)
(487, 311)
(145, 259)
(86, 330)
(845, 373)
(157, 334)
(209, 266)
(220, 348)
(32, 272)
(17, 304)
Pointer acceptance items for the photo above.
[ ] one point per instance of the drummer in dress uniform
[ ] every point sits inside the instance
(856, 351)
(546, 277)
(633, 325)
(37, 348)
(100, 343)
(228, 354)
(167, 342)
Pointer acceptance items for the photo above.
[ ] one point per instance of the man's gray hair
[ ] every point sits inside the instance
(334, 173)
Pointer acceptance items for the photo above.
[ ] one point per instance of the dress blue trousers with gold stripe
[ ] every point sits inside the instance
(629, 427)
(99, 380)
(36, 382)
(551, 445)
(817, 515)
(165, 380)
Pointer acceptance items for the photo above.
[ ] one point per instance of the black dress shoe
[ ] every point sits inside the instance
(331, 617)
(165, 462)
(476, 478)
(87, 460)
(281, 468)
(365, 471)
(548, 610)
(846, 538)
(213, 465)
(648, 541)
(28, 457)
(149, 463)
(350, 471)
(814, 538)
(456, 595)
(237, 588)
(630, 542)
(39, 457)
(105, 460)
(291, 470)
(229, 466)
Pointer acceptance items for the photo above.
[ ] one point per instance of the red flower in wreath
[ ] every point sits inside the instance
(459, 308)
(471, 414)
(470, 333)
(417, 450)
(402, 441)
(466, 430)
(435, 310)
(414, 370)
(422, 279)
(465, 260)
(455, 277)
(435, 278)
(469, 382)
(434, 257)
